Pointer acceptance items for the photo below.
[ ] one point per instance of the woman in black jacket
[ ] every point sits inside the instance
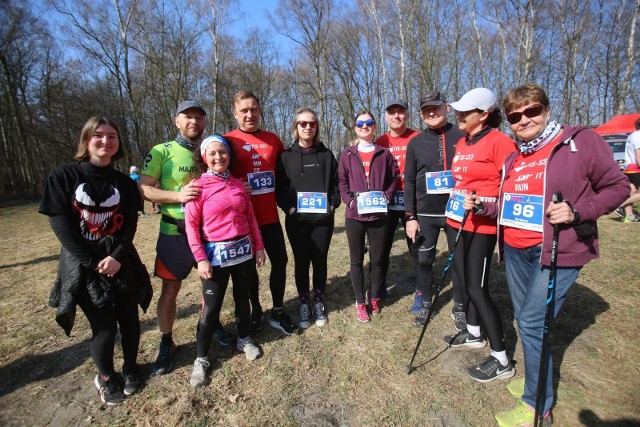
(93, 211)
(307, 191)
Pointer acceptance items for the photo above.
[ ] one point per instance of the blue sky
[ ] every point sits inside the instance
(254, 14)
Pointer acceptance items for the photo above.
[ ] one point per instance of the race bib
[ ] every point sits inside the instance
(397, 202)
(226, 254)
(439, 182)
(455, 207)
(372, 202)
(262, 182)
(522, 211)
(312, 202)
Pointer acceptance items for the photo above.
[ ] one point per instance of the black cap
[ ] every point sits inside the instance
(185, 105)
(433, 98)
(399, 102)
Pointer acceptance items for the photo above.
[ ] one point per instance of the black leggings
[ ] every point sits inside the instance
(310, 246)
(390, 232)
(426, 255)
(473, 262)
(356, 231)
(213, 291)
(104, 323)
(275, 248)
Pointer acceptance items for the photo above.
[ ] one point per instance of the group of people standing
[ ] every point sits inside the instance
(219, 197)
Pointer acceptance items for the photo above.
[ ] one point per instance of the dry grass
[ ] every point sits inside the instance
(346, 373)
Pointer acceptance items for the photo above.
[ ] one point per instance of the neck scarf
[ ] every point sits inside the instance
(224, 175)
(547, 135)
(185, 143)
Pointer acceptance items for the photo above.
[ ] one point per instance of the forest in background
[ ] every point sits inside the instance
(134, 60)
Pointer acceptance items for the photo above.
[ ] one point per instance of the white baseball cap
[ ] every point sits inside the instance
(479, 98)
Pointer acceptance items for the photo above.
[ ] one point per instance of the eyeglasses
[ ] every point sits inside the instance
(368, 122)
(530, 112)
(312, 125)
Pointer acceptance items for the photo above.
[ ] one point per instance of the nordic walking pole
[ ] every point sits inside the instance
(548, 318)
(439, 287)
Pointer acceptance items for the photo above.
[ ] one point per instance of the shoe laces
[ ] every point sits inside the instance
(317, 310)
(304, 311)
(489, 365)
(362, 310)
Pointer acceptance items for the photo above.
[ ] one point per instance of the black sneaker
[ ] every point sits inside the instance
(132, 381)
(164, 361)
(109, 389)
(280, 320)
(620, 212)
(465, 339)
(491, 369)
(257, 317)
(421, 318)
(460, 318)
(225, 339)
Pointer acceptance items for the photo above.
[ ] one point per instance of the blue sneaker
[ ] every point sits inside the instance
(225, 339)
(417, 303)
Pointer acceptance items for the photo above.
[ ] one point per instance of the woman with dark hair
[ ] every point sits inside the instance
(578, 163)
(367, 180)
(225, 240)
(307, 191)
(476, 167)
(93, 211)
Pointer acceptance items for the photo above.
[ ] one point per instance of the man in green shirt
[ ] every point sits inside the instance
(171, 165)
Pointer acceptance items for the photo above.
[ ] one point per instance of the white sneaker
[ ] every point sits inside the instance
(200, 374)
(318, 314)
(251, 351)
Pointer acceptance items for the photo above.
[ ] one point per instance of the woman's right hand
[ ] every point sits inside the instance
(205, 271)
(470, 201)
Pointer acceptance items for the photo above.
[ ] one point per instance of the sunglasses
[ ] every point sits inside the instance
(368, 122)
(530, 112)
(304, 124)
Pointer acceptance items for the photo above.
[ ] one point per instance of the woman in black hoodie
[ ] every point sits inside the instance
(307, 191)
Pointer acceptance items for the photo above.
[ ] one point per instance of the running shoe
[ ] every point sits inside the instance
(632, 218)
(225, 339)
(417, 303)
(280, 320)
(465, 339)
(200, 374)
(164, 361)
(620, 212)
(257, 317)
(132, 381)
(109, 389)
(421, 318)
(516, 387)
(522, 416)
(246, 345)
(491, 369)
(460, 318)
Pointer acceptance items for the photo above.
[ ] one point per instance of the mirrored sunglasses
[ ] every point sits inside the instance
(368, 122)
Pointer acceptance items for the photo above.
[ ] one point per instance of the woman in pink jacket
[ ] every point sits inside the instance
(225, 240)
